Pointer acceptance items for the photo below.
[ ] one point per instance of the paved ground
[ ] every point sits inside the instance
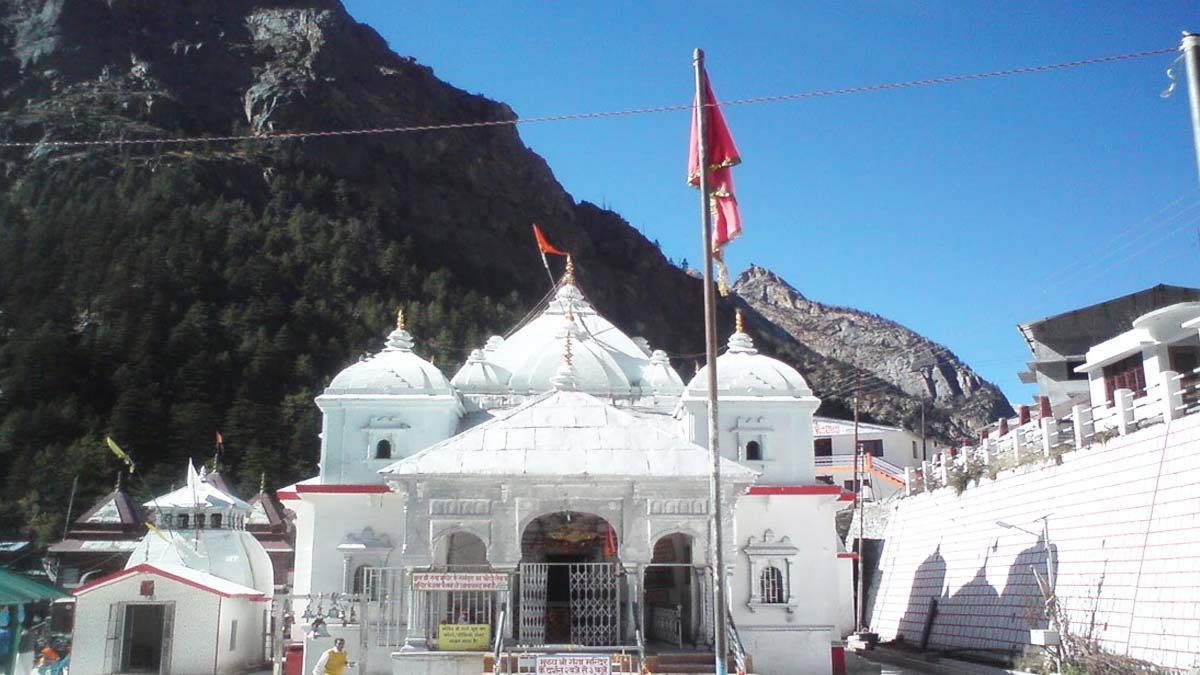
(888, 662)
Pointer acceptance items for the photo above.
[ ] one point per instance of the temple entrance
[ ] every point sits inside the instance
(669, 587)
(569, 590)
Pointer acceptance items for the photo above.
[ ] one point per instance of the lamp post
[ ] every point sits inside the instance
(1050, 595)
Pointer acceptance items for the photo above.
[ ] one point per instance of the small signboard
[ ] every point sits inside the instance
(464, 637)
(574, 664)
(459, 581)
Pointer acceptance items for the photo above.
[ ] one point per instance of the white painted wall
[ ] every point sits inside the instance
(781, 425)
(1124, 521)
(319, 563)
(193, 651)
(771, 633)
(352, 425)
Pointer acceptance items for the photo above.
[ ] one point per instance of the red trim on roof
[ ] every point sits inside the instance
(287, 495)
(151, 569)
(343, 489)
(795, 490)
(846, 497)
(851, 556)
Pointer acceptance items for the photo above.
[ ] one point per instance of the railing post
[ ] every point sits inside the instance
(908, 481)
(1081, 419)
(926, 474)
(942, 467)
(1016, 443)
(1049, 434)
(1172, 396)
(1124, 401)
(985, 446)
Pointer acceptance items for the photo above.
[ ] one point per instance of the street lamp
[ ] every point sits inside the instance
(1052, 637)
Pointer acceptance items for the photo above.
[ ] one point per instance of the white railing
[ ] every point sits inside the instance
(1171, 397)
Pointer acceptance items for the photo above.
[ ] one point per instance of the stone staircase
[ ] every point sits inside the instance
(689, 664)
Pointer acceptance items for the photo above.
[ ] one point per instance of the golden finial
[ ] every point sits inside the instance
(567, 351)
(400, 318)
(569, 275)
(738, 326)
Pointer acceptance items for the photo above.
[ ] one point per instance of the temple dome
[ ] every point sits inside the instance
(480, 376)
(606, 361)
(396, 370)
(742, 371)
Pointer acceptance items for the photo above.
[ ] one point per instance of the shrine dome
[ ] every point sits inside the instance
(606, 361)
(742, 371)
(396, 370)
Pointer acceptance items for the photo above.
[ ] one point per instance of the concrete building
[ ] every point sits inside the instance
(1058, 343)
(555, 491)
(196, 567)
(886, 451)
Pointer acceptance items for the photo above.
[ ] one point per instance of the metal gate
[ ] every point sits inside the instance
(594, 609)
(595, 605)
(384, 609)
(533, 603)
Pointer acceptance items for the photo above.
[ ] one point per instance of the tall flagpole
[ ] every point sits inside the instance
(716, 555)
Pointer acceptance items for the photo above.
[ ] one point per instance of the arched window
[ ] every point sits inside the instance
(771, 586)
(199, 521)
(753, 452)
(215, 522)
(183, 521)
(383, 450)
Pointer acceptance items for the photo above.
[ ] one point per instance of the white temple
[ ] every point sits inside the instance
(560, 480)
(194, 596)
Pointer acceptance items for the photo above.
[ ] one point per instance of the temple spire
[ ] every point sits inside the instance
(569, 274)
(400, 318)
(738, 326)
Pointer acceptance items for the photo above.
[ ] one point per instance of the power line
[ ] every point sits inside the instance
(823, 93)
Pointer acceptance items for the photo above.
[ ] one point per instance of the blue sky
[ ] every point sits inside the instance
(957, 210)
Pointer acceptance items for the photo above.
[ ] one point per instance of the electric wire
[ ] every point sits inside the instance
(413, 128)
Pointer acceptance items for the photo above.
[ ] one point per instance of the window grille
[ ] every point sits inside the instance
(771, 583)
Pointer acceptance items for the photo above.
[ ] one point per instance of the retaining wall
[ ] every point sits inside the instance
(1123, 525)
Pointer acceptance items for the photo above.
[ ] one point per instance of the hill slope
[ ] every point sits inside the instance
(157, 293)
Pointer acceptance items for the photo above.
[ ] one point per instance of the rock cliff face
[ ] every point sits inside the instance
(156, 292)
(886, 352)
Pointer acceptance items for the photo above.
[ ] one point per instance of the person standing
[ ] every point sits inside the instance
(334, 661)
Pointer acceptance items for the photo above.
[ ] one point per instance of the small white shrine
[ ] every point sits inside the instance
(555, 491)
(193, 599)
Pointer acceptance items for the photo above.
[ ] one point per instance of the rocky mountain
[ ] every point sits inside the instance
(888, 354)
(157, 292)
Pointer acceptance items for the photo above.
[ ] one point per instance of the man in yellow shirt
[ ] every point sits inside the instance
(334, 660)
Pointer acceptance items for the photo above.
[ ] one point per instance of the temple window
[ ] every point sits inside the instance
(199, 521)
(216, 521)
(753, 452)
(771, 562)
(182, 520)
(383, 450)
(771, 586)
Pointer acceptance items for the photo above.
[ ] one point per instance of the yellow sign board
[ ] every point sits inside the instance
(464, 637)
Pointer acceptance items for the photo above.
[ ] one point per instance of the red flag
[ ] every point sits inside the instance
(722, 156)
(543, 245)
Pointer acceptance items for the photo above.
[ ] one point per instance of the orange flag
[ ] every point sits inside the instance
(543, 245)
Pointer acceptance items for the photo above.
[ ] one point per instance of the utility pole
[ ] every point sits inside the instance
(859, 605)
(1191, 58)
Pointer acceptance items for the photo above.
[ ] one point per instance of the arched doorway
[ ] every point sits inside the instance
(668, 591)
(569, 590)
(461, 552)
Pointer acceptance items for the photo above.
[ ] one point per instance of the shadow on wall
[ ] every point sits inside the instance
(976, 616)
